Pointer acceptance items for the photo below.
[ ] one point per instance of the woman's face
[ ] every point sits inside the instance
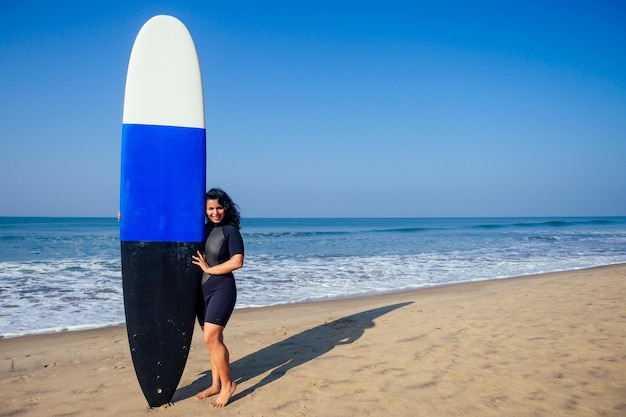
(214, 211)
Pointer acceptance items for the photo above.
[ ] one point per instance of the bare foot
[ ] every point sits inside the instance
(212, 390)
(224, 396)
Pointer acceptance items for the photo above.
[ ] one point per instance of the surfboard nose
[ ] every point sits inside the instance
(164, 82)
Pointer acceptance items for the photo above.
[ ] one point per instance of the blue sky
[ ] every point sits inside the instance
(333, 108)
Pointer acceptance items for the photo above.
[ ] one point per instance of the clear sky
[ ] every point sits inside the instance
(333, 108)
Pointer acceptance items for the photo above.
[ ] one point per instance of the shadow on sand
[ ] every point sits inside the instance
(292, 352)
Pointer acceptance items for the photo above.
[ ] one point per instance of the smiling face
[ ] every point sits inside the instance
(214, 211)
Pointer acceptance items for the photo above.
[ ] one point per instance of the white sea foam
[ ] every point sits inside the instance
(59, 295)
(286, 281)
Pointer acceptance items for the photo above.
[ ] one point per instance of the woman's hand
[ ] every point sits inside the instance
(200, 260)
(227, 267)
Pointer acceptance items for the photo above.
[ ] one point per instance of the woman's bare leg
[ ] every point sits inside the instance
(220, 364)
(215, 383)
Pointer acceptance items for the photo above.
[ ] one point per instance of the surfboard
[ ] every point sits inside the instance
(162, 189)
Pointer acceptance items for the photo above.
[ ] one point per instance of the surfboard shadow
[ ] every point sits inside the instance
(292, 352)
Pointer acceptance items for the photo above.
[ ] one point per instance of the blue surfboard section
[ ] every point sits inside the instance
(162, 166)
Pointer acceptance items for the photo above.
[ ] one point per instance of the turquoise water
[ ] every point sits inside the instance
(64, 273)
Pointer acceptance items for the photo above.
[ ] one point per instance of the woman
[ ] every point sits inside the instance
(223, 254)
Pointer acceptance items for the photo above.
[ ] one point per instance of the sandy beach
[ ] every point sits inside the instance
(543, 345)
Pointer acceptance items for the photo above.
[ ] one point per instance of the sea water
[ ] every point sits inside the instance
(65, 273)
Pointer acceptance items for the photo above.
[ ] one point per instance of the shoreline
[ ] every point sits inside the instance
(541, 344)
(321, 300)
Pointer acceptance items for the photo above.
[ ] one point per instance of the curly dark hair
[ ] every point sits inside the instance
(231, 210)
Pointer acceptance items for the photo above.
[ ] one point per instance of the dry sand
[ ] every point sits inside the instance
(545, 345)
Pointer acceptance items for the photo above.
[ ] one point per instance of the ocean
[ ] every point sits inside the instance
(64, 273)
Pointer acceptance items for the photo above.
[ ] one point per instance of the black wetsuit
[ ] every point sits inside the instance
(219, 292)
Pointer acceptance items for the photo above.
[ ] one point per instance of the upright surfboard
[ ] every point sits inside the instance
(162, 204)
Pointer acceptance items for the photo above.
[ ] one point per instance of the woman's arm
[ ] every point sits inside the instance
(234, 263)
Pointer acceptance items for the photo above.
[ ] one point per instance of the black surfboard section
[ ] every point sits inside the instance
(160, 293)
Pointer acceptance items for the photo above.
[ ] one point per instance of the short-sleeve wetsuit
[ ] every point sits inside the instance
(219, 292)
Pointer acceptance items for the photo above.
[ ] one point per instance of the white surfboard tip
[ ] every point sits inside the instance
(164, 82)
